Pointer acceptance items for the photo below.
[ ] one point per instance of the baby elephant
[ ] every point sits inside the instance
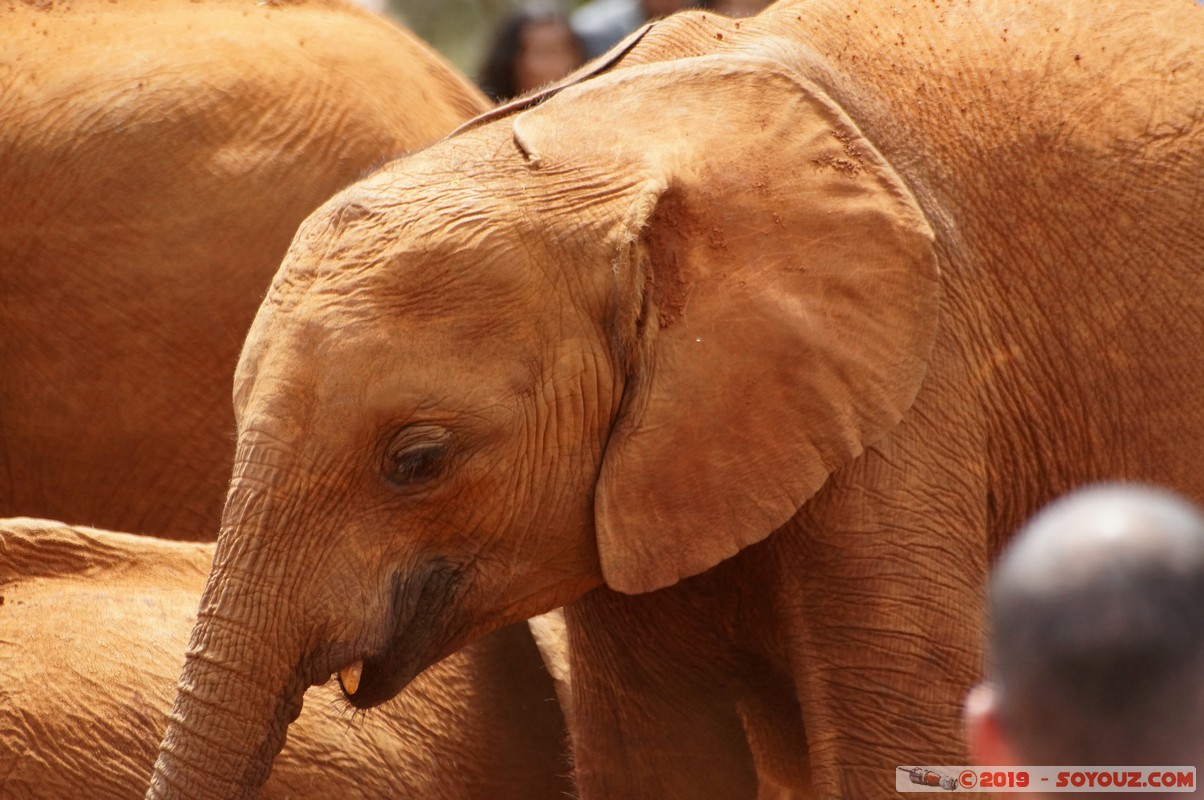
(93, 628)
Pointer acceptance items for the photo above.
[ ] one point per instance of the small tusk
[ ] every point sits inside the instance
(349, 676)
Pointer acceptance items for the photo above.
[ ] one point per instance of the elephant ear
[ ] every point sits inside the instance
(776, 293)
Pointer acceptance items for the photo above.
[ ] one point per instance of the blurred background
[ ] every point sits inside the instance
(511, 46)
(460, 29)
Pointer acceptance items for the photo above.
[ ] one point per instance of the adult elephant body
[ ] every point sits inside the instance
(93, 625)
(156, 159)
(751, 350)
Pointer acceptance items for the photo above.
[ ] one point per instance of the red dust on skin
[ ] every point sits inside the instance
(748, 478)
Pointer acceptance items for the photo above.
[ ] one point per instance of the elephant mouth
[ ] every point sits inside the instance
(419, 609)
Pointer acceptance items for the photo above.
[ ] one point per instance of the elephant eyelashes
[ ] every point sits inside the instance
(416, 456)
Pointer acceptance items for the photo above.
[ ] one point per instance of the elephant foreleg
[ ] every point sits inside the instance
(654, 714)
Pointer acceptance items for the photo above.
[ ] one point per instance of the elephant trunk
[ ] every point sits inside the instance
(244, 678)
(259, 642)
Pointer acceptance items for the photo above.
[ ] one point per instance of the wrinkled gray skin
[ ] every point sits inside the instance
(769, 336)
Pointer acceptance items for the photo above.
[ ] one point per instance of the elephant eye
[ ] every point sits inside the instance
(417, 455)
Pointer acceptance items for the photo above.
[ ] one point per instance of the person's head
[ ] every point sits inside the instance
(1096, 647)
(532, 47)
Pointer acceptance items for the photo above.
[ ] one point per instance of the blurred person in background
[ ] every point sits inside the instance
(1096, 643)
(601, 24)
(533, 46)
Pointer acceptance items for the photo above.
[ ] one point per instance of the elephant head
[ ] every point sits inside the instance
(613, 338)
